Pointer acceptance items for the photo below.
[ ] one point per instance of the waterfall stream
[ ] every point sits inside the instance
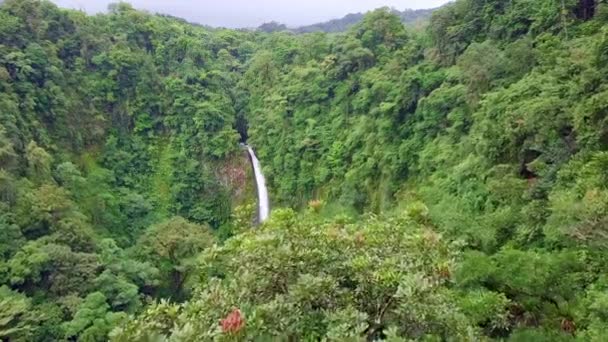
(260, 181)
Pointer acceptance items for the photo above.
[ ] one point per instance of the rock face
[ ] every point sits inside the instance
(242, 175)
(236, 174)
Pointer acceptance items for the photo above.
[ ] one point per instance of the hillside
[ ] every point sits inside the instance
(408, 17)
(444, 183)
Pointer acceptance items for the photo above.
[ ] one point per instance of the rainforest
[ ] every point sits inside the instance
(446, 181)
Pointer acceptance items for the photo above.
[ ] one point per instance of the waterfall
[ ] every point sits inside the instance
(260, 181)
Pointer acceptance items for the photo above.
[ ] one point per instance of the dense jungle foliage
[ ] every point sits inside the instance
(446, 183)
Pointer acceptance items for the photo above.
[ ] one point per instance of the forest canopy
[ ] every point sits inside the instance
(444, 183)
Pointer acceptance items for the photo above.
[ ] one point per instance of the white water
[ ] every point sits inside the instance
(263, 202)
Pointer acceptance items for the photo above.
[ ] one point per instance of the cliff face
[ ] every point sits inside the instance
(236, 175)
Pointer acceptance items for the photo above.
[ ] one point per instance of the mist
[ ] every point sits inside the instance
(252, 13)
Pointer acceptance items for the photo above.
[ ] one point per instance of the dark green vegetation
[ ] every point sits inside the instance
(114, 136)
(450, 184)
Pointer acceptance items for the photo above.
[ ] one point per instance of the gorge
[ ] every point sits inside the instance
(446, 181)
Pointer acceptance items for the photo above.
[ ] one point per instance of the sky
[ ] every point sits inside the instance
(252, 13)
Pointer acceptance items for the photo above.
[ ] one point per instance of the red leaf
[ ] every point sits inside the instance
(233, 323)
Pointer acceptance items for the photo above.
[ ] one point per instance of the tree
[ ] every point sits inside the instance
(39, 162)
(381, 31)
(8, 188)
(482, 65)
(272, 26)
(8, 157)
(172, 247)
(17, 321)
(342, 284)
(43, 208)
(59, 269)
(11, 238)
(93, 320)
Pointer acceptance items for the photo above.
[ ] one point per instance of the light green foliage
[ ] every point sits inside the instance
(121, 265)
(92, 321)
(39, 162)
(27, 264)
(16, 319)
(156, 322)
(306, 279)
(486, 308)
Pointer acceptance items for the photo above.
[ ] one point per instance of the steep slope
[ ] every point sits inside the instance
(117, 133)
(408, 17)
(487, 130)
(493, 122)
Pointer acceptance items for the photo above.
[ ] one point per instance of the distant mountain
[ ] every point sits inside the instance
(272, 26)
(335, 25)
(408, 17)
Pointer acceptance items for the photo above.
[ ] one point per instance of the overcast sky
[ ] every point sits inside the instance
(252, 13)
